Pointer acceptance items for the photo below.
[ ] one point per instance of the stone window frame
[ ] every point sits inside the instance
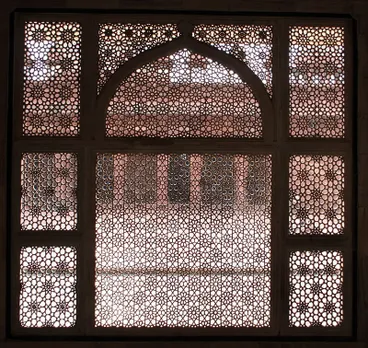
(91, 139)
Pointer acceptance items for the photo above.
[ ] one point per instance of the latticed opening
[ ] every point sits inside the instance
(184, 95)
(52, 68)
(48, 191)
(316, 288)
(120, 42)
(183, 240)
(48, 286)
(317, 76)
(316, 195)
(202, 175)
(252, 44)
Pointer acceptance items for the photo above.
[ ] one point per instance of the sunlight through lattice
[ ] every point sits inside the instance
(252, 44)
(120, 42)
(184, 95)
(317, 82)
(51, 85)
(316, 194)
(183, 240)
(316, 279)
(48, 296)
(49, 191)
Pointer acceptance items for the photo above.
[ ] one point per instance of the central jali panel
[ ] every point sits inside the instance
(183, 240)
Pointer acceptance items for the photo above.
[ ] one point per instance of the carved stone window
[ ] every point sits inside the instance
(181, 176)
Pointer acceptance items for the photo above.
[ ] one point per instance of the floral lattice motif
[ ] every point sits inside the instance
(184, 95)
(185, 243)
(316, 280)
(51, 86)
(316, 194)
(49, 187)
(121, 42)
(317, 82)
(252, 44)
(48, 286)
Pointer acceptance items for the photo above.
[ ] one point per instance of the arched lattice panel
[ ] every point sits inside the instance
(120, 42)
(252, 44)
(317, 82)
(51, 84)
(184, 95)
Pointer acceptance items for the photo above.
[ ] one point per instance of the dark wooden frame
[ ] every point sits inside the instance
(92, 140)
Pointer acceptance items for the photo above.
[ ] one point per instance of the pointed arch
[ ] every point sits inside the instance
(242, 70)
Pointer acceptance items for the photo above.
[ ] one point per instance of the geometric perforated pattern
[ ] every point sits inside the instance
(316, 295)
(121, 42)
(48, 278)
(316, 195)
(51, 84)
(184, 95)
(183, 240)
(317, 82)
(252, 44)
(49, 191)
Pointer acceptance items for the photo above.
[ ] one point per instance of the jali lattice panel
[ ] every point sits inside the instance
(120, 42)
(317, 82)
(316, 280)
(49, 191)
(184, 95)
(51, 85)
(252, 44)
(48, 296)
(183, 240)
(316, 195)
